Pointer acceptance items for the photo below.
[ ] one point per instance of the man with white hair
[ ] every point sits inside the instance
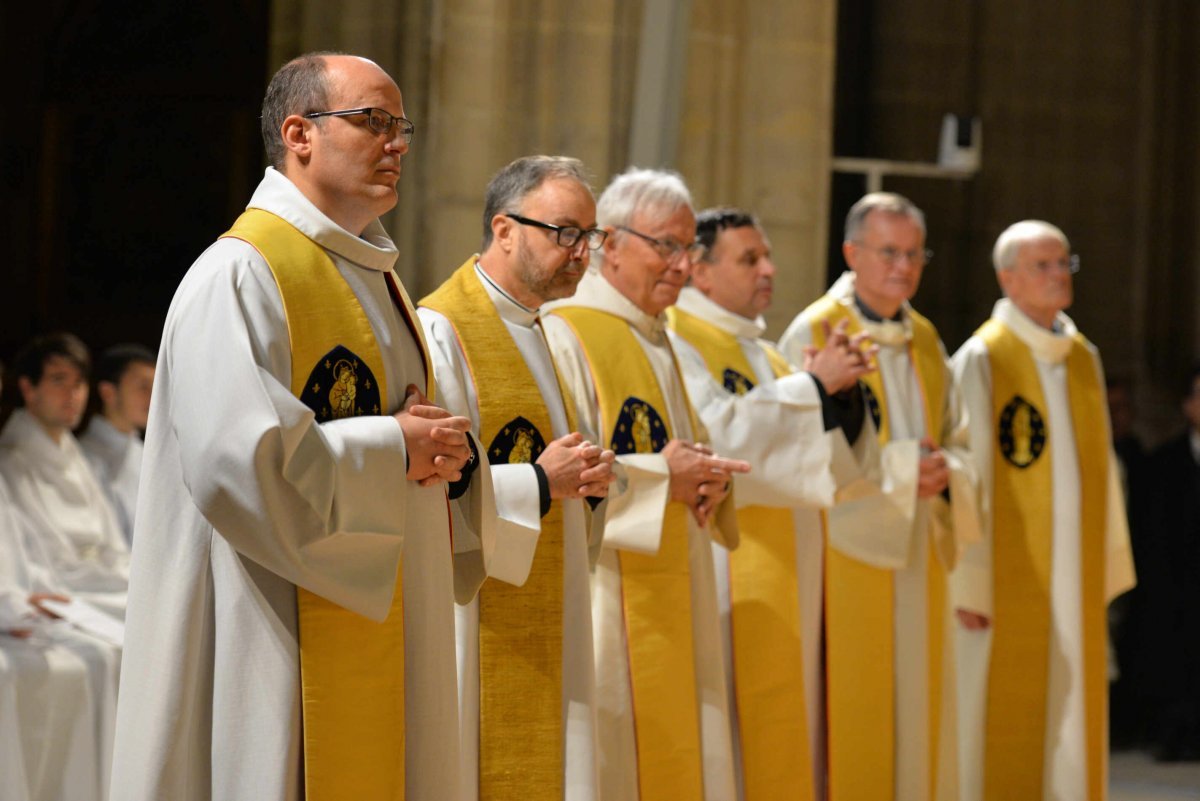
(1031, 596)
(664, 727)
(888, 622)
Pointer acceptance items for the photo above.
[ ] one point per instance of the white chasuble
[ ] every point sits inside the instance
(889, 623)
(1068, 685)
(518, 527)
(245, 498)
(638, 512)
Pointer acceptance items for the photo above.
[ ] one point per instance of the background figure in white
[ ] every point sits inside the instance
(1034, 268)
(51, 481)
(58, 686)
(112, 442)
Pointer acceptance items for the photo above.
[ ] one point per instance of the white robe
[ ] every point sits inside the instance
(634, 520)
(54, 488)
(245, 498)
(518, 507)
(795, 471)
(116, 460)
(58, 687)
(867, 531)
(1065, 763)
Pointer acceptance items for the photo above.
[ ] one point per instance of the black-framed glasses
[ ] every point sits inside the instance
(378, 120)
(670, 250)
(567, 236)
(890, 255)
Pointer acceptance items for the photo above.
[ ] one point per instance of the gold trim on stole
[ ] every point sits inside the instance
(520, 628)
(1022, 545)
(768, 663)
(656, 589)
(351, 668)
(860, 608)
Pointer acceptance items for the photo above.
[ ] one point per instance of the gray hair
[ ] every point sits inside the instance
(299, 87)
(1008, 244)
(510, 186)
(637, 190)
(884, 203)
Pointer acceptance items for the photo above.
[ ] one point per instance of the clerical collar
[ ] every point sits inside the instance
(695, 302)
(483, 274)
(1050, 346)
(595, 292)
(873, 316)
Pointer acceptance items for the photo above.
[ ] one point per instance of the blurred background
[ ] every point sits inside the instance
(130, 140)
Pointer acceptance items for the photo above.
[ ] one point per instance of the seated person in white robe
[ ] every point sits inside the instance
(112, 441)
(529, 725)
(291, 618)
(58, 685)
(51, 481)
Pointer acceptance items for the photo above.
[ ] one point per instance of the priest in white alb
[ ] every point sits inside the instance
(791, 426)
(291, 628)
(889, 629)
(526, 676)
(664, 722)
(1032, 597)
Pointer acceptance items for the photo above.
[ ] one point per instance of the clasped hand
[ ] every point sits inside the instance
(575, 468)
(699, 477)
(437, 443)
(843, 359)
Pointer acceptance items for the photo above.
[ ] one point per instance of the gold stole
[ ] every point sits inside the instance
(768, 665)
(520, 628)
(351, 668)
(656, 589)
(1022, 544)
(859, 609)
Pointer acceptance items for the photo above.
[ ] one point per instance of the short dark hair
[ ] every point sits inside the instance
(518, 178)
(711, 222)
(300, 86)
(30, 362)
(115, 360)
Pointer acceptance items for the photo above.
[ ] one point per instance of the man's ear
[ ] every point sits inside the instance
(701, 275)
(504, 232)
(107, 391)
(1003, 278)
(296, 135)
(850, 253)
(27, 388)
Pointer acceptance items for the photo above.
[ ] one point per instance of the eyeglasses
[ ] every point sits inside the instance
(567, 236)
(892, 256)
(670, 250)
(378, 121)
(1069, 265)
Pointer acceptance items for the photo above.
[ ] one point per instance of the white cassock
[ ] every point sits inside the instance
(58, 686)
(796, 470)
(518, 507)
(634, 519)
(872, 530)
(116, 461)
(1065, 766)
(245, 498)
(53, 486)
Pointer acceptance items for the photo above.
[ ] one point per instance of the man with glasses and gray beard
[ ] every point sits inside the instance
(1032, 597)
(889, 631)
(528, 723)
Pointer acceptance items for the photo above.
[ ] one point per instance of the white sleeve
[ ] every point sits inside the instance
(971, 581)
(637, 500)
